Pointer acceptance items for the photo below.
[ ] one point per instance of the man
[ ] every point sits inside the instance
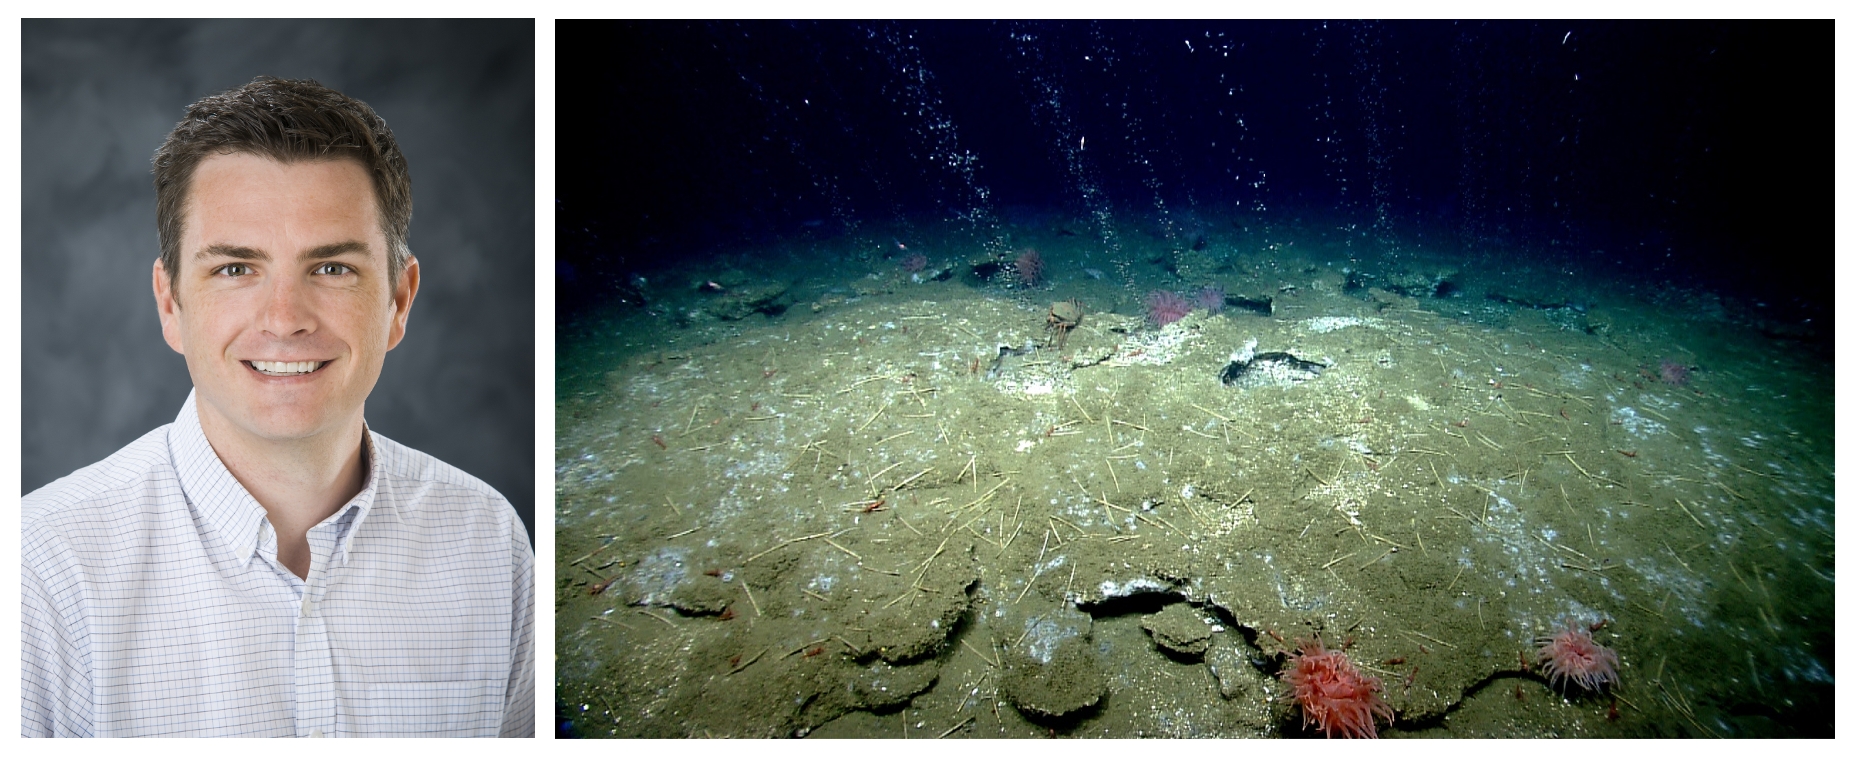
(266, 565)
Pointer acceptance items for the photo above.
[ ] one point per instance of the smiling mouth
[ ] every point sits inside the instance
(285, 369)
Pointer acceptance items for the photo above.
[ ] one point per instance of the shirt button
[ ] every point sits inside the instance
(315, 733)
(309, 607)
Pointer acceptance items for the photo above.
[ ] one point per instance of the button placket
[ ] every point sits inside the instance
(315, 668)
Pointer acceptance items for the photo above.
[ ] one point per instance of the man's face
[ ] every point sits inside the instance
(285, 313)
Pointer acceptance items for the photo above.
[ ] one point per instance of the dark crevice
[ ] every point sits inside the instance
(1264, 306)
(1474, 689)
(1141, 603)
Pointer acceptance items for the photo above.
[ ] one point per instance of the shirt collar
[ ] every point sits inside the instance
(227, 509)
(362, 504)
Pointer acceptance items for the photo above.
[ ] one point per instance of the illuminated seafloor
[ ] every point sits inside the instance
(809, 492)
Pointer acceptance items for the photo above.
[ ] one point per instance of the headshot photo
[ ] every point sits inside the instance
(278, 378)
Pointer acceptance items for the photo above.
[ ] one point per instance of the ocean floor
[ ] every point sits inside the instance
(804, 492)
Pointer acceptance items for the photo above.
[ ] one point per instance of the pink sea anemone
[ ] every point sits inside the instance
(1674, 372)
(914, 262)
(1029, 268)
(1572, 657)
(1210, 298)
(1164, 307)
(1333, 694)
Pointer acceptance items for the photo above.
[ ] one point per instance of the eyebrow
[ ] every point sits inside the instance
(245, 253)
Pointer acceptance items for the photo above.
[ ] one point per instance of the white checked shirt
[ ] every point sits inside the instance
(153, 603)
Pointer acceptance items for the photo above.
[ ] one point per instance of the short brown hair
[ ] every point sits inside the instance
(285, 120)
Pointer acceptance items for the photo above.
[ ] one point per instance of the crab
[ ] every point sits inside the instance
(1063, 317)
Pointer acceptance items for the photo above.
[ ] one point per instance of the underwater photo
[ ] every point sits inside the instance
(963, 379)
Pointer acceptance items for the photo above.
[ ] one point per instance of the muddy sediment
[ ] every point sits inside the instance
(908, 510)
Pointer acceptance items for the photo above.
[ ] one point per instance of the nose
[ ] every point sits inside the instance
(286, 312)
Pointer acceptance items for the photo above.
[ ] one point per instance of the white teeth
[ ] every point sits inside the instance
(285, 368)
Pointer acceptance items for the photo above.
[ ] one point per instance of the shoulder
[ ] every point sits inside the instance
(116, 490)
(423, 488)
(404, 466)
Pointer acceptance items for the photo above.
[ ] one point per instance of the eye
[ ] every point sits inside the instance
(332, 268)
(234, 270)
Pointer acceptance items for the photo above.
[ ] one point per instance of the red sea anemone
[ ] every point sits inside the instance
(1029, 267)
(1333, 694)
(1572, 657)
(1164, 307)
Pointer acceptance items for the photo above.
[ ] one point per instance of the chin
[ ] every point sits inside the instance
(288, 418)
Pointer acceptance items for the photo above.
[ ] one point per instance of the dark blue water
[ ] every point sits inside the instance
(1656, 151)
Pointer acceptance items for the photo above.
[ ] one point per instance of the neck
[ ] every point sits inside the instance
(299, 482)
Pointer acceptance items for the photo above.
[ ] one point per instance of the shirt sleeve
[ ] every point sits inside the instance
(518, 717)
(54, 696)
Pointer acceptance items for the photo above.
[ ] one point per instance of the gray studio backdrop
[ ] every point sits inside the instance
(99, 96)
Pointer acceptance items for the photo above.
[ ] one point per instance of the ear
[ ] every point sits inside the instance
(168, 308)
(403, 293)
